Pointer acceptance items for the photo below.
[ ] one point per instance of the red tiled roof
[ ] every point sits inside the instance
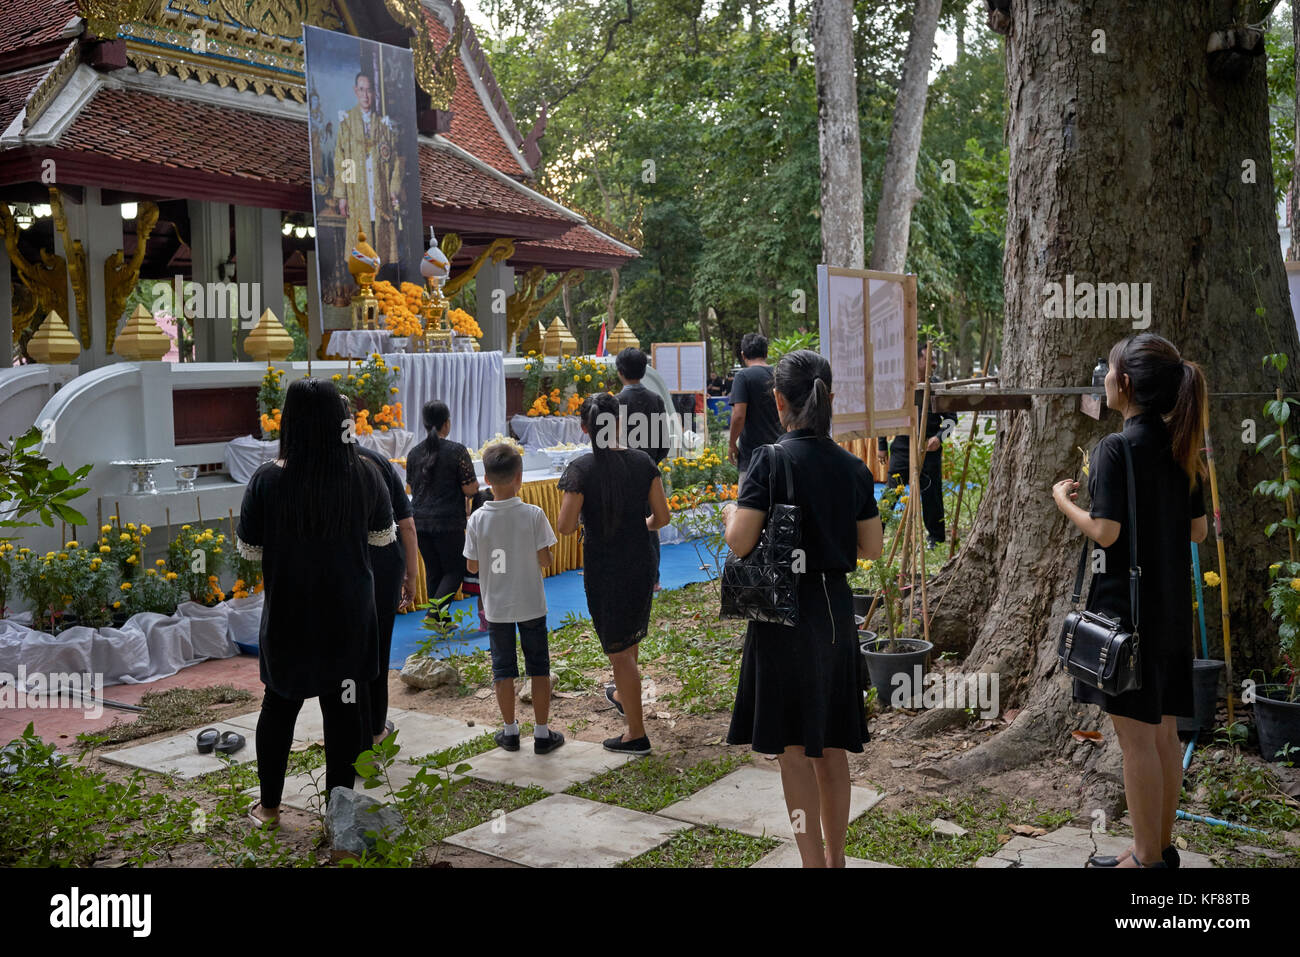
(14, 90)
(159, 130)
(579, 245)
(471, 126)
(583, 238)
(30, 22)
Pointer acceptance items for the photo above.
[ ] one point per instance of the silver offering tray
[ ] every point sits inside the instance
(141, 481)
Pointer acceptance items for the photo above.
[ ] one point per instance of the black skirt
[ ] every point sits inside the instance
(1167, 687)
(801, 686)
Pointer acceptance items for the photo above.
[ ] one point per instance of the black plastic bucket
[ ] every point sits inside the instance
(1205, 690)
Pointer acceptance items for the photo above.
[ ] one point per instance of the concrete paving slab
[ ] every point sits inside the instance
(574, 762)
(787, 855)
(179, 754)
(567, 831)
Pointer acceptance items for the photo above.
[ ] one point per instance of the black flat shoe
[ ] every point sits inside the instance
(639, 745)
(1169, 855)
(207, 739)
(609, 696)
(508, 742)
(230, 743)
(548, 744)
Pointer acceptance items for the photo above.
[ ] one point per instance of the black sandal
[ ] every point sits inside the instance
(230, 743)
(207, 739)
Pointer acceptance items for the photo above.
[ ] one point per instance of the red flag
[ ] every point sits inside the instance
(600, 343)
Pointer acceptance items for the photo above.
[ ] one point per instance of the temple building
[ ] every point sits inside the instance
(145, 140)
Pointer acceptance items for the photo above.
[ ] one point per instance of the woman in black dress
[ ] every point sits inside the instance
(610, 489)
(442, 477)
(1162, 399)
(311, 517)
(800, 694)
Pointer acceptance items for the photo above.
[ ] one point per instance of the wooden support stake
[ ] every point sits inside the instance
(167, 512)
(1223, 562)
(198, 504)
(893, 550)
(961, 486)
(921, 547)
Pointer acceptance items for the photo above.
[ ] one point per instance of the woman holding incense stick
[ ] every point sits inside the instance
(1162, 399)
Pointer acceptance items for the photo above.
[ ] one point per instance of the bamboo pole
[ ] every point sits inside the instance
(1223, 562)
(893, 550)
(1286, 471)
(167, 512)
(917, 456)
(961, 486)
(198, 504)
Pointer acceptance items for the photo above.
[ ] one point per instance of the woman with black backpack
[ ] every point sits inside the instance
(800, 694)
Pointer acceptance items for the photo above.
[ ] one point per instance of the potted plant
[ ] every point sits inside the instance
(197, 556)
(893, 652)
(1277, 710)
(157, 590)
(860, 582)
(270, 400)
(39, 584)
(91, 582)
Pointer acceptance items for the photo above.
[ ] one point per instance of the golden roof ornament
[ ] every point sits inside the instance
(621, 338)
(140, 339)
(268, 341)
(54, 344)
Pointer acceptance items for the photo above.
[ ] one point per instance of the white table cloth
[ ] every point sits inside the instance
(360, 343)
(473, 384)
(245, 455)
(544, 431)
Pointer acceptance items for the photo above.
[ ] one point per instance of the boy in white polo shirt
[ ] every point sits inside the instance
(508, 543)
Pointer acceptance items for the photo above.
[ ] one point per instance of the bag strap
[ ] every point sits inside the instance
(778, 456)
(1134, 570)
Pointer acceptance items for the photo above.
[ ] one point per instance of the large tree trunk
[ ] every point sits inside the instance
(837, 133)
(898, 192)
(1293, 220)
(1126, 166)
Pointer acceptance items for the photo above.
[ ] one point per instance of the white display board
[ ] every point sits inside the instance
(683, 365)
(867, 326)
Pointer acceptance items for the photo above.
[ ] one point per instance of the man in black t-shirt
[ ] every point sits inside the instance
(896, 458)
(754, 421)
(653, 425)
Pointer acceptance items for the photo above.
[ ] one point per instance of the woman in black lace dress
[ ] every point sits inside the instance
(610, 489)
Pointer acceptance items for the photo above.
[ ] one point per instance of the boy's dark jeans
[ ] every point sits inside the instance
(532, 636)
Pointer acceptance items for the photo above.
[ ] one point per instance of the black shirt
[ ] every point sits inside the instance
(386, 559)
(653, 428)
(437, 501)
(753, 386)
(1166, 506)
(637, 474)
(936, 423)
(833, 488)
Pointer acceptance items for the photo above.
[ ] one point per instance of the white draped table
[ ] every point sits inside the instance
(546, 431)
(473, 384)
(360, 343)
(245, 455)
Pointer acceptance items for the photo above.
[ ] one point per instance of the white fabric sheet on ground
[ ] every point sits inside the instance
(473, 384)
(149, 646)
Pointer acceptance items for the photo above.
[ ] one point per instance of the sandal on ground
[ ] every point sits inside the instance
(230, 743)
(207, 739)
(609, 696)
(269, 824)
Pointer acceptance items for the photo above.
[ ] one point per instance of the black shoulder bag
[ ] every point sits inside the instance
(763, 586)
(1095, 648)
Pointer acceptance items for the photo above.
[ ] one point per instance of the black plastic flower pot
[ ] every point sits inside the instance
(862, 602)
(1277, 720)
(1205, 690)
(882, 666)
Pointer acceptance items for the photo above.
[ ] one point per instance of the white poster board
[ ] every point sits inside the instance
(683, 365)
(867, 325)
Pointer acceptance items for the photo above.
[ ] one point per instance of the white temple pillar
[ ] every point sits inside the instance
(259, 267)
(6, 310)
(491, 278)
(99, 228)
(209, 251)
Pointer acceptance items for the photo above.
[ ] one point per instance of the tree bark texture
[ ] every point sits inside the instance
(838, 134)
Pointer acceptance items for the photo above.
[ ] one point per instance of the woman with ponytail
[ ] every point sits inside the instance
(800, 694)
(1162, 399)
(610, 490)
(441, 475)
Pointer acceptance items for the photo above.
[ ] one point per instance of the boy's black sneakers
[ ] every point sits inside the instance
(639, 745)
(548, 744)
(509, 742)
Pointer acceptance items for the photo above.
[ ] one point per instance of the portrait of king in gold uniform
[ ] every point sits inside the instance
(365, 160)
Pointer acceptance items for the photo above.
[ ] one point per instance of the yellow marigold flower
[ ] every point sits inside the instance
(125, 586)
(112, 518)
(1212, 579)
(337, 376)
(71, 544)
(132, 559)
(161, 562)
(1295, 583)
(124, 537)
(105, 548)
(63, 554)
(151, 571)
(171, 576)
(145, 529)
(106, 528)
(185, 528)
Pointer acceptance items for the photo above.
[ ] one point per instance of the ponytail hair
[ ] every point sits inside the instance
(435, 415)
(804, 378)
(1162, 381)
(600, 417)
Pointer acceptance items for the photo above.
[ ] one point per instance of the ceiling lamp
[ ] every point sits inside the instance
(130, 210)
(287, 228)
(311, 231)
(300, 231)
(42, 211)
